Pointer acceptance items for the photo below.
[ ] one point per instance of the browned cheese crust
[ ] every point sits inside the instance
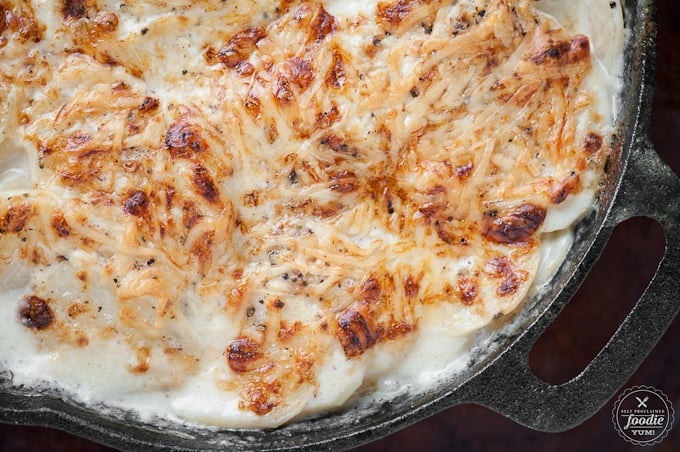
(308, 189)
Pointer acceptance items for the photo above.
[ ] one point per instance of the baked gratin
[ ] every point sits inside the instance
(238, 212)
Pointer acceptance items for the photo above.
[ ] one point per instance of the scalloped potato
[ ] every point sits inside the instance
(236, 213)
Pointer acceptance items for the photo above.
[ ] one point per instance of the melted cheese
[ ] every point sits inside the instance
(266, 206)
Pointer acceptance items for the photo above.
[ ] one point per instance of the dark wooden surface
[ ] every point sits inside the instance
(610, 291)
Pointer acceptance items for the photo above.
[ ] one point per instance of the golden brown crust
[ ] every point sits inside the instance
(315, 185)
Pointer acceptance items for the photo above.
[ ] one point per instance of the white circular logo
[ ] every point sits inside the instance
(643, 415)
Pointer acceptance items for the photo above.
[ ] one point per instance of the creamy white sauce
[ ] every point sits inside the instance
(436, 351)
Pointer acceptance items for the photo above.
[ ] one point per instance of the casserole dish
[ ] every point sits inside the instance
(632, 168)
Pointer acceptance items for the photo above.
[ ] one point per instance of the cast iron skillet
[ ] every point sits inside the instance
(638, 184)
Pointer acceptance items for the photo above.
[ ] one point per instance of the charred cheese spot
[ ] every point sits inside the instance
(592, 143)
(137, 204)
(244, 69)
(323, 25)
(149, 104)
(564, 52)
(243, 354)
(73, 9)
(394, 13)
(464, 171)
(35, 313)
(316, 19)
(252, 105)
(301, 72)
(204, 183)
(60, 225)
(191, 216)
(560, 192)
(344, 182)
(184, 140)
(240, 46)
(326, 119)
(16, 217)
(501, 268)
(282, 90)
(21, 21)
(467, 290)
(370, 290)
(106, 22)
(335, 78)
(313, 208)
(515, 226)
(354, 332)
(336, 143)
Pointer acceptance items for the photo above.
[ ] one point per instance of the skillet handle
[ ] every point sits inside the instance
(649, 188)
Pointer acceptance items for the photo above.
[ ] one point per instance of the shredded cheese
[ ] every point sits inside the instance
(270, 202)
